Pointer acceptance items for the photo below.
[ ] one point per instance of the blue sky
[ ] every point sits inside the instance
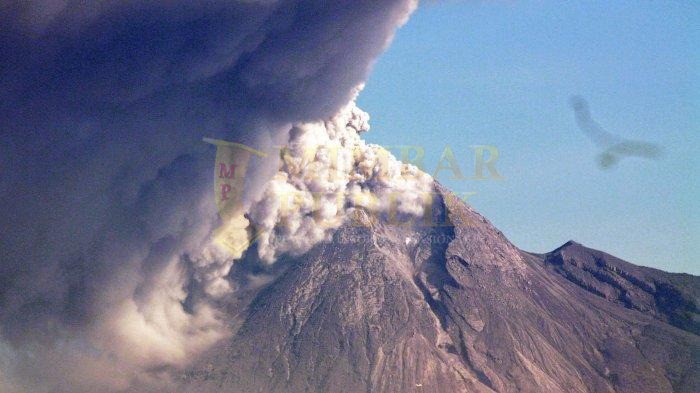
(501, 73)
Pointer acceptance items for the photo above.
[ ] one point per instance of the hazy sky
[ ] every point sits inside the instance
(501, 73)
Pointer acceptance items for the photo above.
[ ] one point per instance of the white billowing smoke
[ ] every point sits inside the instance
(326, 172)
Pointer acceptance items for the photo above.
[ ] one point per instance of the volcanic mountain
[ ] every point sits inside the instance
(455, 307)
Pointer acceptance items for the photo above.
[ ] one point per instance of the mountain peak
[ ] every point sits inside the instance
(570, 244)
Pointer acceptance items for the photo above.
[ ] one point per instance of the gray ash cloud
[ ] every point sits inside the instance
(106, 185)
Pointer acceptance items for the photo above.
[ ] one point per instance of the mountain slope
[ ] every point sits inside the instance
(453, 307)
(668, 297)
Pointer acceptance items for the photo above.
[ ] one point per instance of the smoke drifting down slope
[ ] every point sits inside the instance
(108, 271)
(325, 172)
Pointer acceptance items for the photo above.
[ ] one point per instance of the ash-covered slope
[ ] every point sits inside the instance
(455, 307)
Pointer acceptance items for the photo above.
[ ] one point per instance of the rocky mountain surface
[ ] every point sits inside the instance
(669, 297)
(452, 306)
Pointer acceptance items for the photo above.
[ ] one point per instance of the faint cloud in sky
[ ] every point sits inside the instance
(614, 147)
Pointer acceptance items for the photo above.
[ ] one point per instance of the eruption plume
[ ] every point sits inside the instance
(110, 262)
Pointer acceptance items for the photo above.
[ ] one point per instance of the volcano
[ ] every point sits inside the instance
(455, 308)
